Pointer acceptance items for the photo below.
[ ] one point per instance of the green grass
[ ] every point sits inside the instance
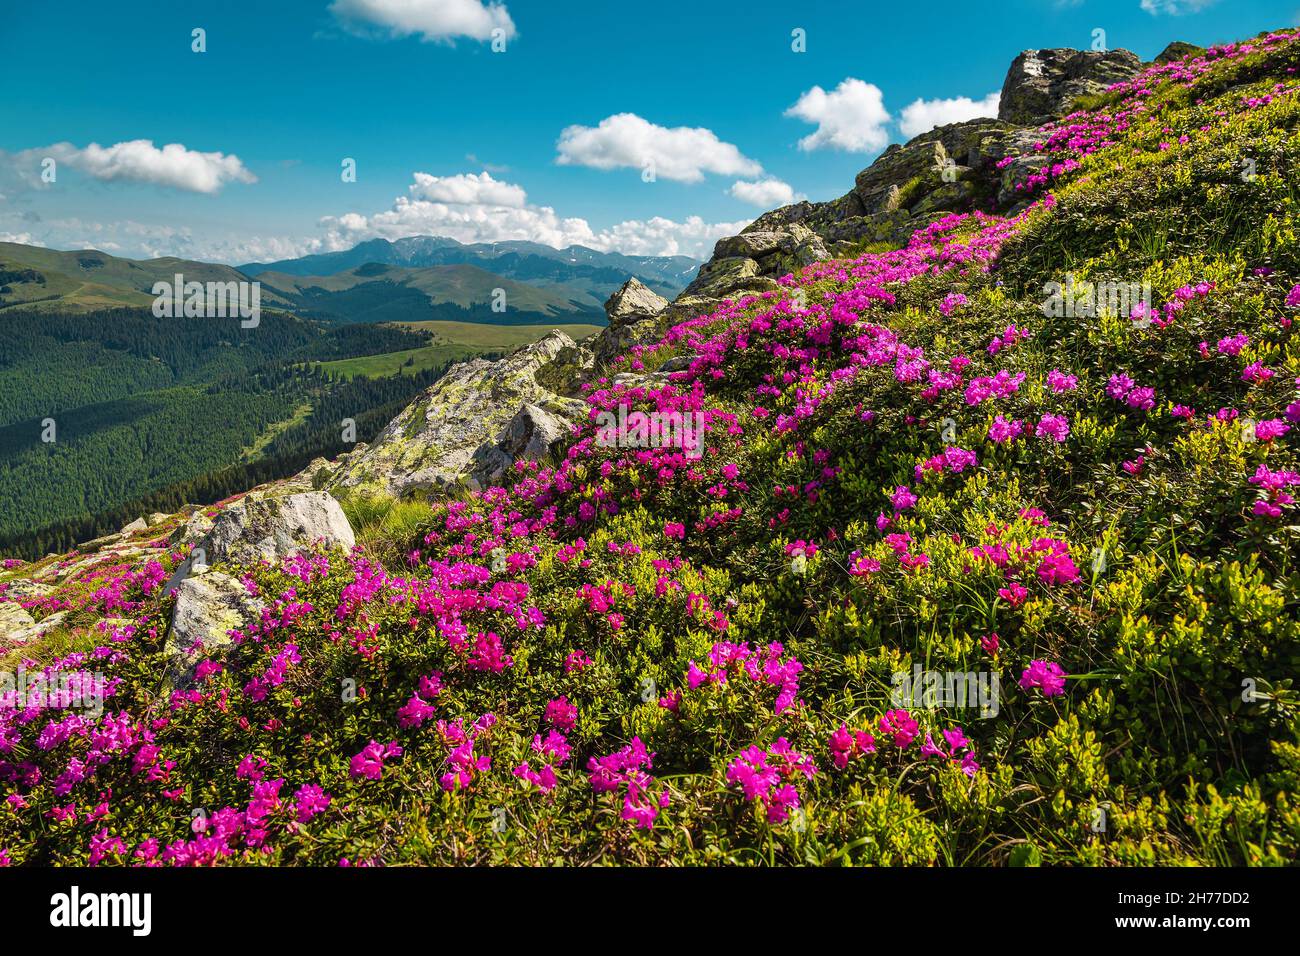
(394, 363)
(269, 434)
(497, 337)
(450, 341)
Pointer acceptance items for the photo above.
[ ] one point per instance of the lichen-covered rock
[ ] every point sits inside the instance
(194, 530)
(269, 529)
(208, 607)
(13, 619)
(1041, 85)
(631, 311)
(433, 443)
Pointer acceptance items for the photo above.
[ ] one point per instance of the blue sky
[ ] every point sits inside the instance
(452, 138)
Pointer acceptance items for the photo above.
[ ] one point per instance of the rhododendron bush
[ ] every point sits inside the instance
(688, 655)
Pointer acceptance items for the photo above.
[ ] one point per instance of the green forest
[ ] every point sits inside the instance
(110, 415)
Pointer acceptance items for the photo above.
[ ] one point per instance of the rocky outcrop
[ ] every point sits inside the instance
(905, 188)
(948, 169)
(448, 435)
(1176, 51)
(1043, 84)
(269, 528)
(631, 311)
(208, 607)
(13, 620)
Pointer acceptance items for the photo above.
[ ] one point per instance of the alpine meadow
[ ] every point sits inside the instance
(941, 516)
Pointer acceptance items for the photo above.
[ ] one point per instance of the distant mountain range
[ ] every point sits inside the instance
(600, 273)
(413, 279)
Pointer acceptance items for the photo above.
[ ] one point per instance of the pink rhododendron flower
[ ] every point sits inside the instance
(1055, 427)
(369, 763)
(1047, 676)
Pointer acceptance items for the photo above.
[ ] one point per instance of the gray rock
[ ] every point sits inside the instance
(208, 607)
(13, 619)
(530, 435)
(21, 629)
(273, 528)
(139, 524)
(632, 312)
(267, 528)
(633, 302)
(434, 444)
(1042, 85)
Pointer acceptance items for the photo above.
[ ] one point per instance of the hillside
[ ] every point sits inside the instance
(34, 277)
(382, 293)
(598, 273)
(943, 546)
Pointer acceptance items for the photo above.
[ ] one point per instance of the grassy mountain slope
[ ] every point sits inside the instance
(910, 466)
(89, 279)
(356, 294)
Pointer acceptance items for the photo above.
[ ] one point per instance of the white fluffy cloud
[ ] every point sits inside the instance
(851, 117)
(1175, 8)
(139, 160)
(921, 116)
(625, 140)
(467, 207)
(765, 193)
(663, 237)
(429, 19)
(478, 208)
(467, 189)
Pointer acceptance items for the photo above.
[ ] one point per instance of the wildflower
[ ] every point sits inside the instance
(1055, 427)
(1003, 432)
(1014, 593)
(1047, 676)
(899, 725)
(1058, 381)
(488, 654)
(902, 498)
(561, 714)
(369, 763)
(765, 777)
(1256, 373)
(310, 801)
(846, 745)
(1271, 428)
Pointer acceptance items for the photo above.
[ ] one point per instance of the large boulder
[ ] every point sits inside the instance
(268, 528)
(208, 607)
(631, 311)
(1042, 85)
(434, 444)
(13, 620)
(530, 434)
